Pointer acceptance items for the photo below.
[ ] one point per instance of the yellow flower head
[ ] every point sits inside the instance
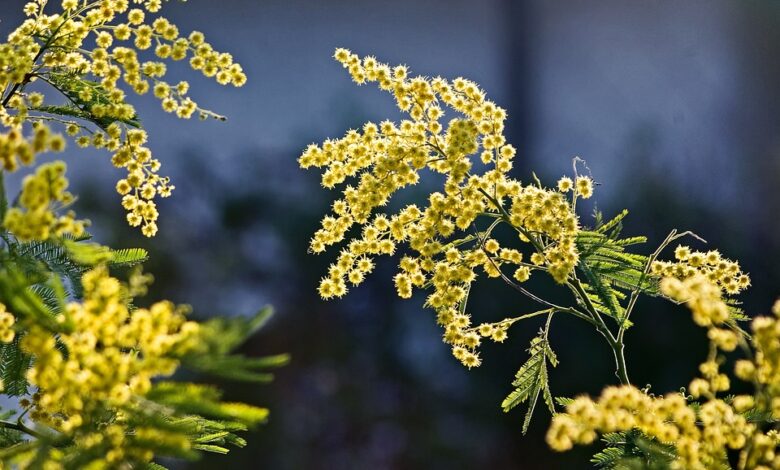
(43, 194)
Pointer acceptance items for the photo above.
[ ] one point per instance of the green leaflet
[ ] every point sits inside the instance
(87, 254)
(603, 296)
(633, 450)
(609, 272)
(13, 367)
(91, 254)
(608, 458)
(67, 258)
(10, 437)
(532, 380)
(17, 294)
(189, 398)
(128, 257)
(211, 448)
(220, 336)
(71, 85)
(564, 401)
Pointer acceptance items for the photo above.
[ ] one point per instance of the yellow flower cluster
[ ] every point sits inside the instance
(43, 194)
(764, 372)
(700, 295)
(381, 159)
(15, 147)
(765, 367)
(16, 60)
(142, 183)
(112, 354)
(701, 435)
(582, 186)
(723, 272)
(7, 321)
(699, 438)
(89, 76)
(548, 213)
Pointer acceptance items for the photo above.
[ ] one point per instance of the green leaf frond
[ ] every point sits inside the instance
(219, 337)
(72, 84)
(633, 450)
(13, 368)
(609, 272)
(532, 380)
(189, 398)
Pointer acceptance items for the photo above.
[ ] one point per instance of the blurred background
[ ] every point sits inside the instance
(675, 106)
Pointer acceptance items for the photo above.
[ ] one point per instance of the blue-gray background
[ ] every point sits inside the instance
(675, 107)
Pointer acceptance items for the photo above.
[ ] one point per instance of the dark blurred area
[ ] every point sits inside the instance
(675, 106)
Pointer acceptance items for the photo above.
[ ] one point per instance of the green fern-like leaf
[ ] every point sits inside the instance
(91, 254)
(65, 111)
(43, 258)
(608, 457)
(633, 450)
(564, 401)
(203, 400)
(609, 272)
(225, 334)
(614, 226)
(13, 368)
(614, 438)
(238, 367)
(604, 295)
(532, 380)
(755, 415)
(17, 294)
(128, 257)
(86, 254)
(72, 84)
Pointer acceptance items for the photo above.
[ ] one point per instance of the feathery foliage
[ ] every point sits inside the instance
(219, 337)
(532, 379)
(75, 87)
(609, 271)
(633, 450)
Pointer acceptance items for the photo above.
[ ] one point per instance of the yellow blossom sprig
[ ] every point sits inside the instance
(95, 360)
(71, 331)
(43, 195)
(15, 146)
(83, 52)
(701, 435)
(721, 272)
(134, 347)
(452, 238)
(700, 295)
(700, 439)
(96, 371)
(444, 254)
